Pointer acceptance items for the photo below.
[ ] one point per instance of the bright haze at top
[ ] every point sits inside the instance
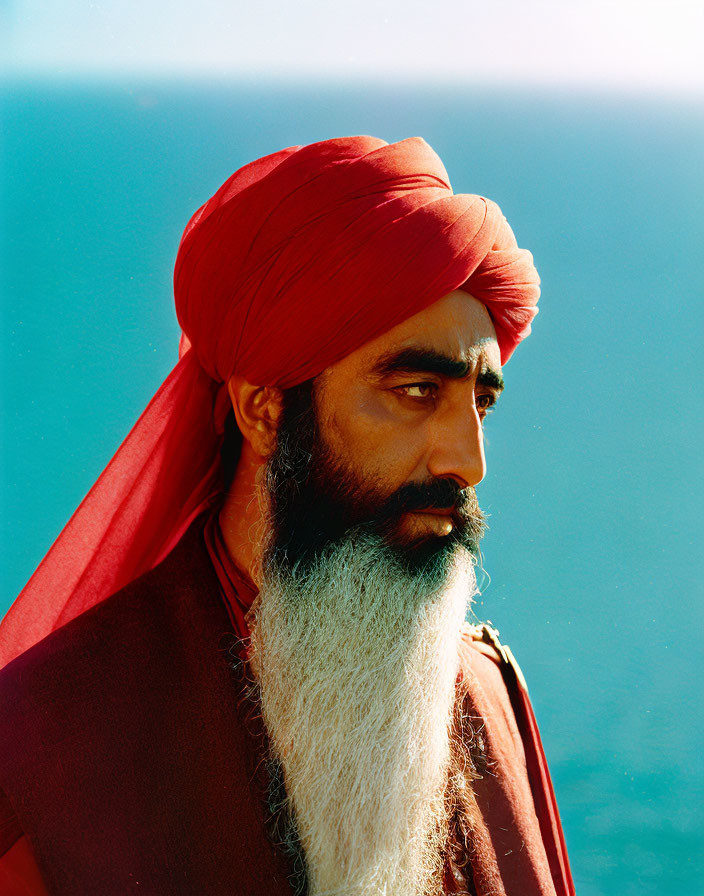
(621, 45)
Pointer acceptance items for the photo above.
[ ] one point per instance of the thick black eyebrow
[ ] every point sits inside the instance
(491, 378)
(425, 360)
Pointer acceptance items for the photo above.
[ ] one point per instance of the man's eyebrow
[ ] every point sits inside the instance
(491, 378)
(426, 360)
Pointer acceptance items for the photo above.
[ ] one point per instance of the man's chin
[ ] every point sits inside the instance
(419, 550)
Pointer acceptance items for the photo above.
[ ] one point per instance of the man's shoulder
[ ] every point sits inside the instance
(127, 637)
(101, 633)
(482, 639)
(479, 639)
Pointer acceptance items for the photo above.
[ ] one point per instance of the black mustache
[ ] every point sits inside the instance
(439, 494)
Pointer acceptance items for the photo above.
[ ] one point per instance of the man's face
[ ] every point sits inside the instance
(395, 439)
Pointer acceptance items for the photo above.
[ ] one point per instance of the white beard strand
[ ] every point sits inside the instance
(356, 662)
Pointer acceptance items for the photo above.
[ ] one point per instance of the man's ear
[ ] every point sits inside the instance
(257, 411)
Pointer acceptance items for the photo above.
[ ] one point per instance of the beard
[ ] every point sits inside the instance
(355, 651)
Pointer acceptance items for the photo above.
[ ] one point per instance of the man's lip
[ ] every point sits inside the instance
(446, 521)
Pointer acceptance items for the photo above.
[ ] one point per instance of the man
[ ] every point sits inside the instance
(289, 536)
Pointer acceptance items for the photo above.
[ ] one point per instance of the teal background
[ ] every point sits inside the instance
(594, 487)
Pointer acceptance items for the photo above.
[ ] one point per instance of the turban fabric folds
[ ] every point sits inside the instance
(300, 258)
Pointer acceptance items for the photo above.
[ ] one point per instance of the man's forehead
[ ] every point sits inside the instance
(457, 326)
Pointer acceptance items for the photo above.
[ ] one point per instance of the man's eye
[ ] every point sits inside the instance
(485, 403)
(418, 390)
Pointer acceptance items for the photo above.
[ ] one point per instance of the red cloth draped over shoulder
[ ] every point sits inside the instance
(297, 260)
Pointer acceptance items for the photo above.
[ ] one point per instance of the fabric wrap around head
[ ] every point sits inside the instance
(300, 258)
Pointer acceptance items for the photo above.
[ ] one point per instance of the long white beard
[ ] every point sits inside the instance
(357, 662)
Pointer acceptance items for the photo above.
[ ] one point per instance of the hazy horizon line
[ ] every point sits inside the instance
(9, 77)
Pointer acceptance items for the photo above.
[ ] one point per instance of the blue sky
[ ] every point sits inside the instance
(624, 44)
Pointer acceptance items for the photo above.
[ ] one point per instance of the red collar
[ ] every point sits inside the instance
(238, 589)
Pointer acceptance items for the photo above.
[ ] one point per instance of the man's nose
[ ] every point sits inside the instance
(458, 449)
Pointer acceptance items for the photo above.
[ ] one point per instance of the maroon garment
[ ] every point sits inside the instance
(135, 766)
(519, 850)
(132, 765)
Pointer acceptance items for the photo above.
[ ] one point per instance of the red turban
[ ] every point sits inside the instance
(299, 259)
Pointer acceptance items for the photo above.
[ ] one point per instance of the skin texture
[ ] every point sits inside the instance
(386, 425)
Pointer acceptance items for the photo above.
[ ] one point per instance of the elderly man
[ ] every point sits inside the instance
(244, 667)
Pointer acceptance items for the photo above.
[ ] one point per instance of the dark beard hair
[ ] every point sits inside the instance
(315, 501)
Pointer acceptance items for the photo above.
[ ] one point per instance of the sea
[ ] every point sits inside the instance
(592, 566)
